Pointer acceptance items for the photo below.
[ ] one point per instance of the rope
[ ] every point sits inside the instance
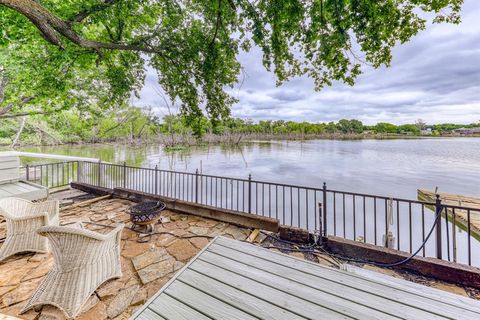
(315, 248)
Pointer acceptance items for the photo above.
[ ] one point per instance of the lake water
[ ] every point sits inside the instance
(391, 168)
(384, 167)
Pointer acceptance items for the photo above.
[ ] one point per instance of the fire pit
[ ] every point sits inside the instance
(146, 214)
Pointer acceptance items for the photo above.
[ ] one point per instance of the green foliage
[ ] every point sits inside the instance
(97, 62)
(79, 126)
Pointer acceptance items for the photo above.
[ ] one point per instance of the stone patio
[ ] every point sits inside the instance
(146, 266)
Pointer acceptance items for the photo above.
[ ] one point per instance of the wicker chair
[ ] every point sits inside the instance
(23, 219)
(84, 260)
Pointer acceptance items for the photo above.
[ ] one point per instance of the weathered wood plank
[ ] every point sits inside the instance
(235, 280)
(407, 309)
(304, 265)
(209, 305)
(280, 294)
(148, 314)
(461, 216)
(231, 295)
(334, 278)
(23, 190)
(432, 293)
(171, 308)
(320, 295)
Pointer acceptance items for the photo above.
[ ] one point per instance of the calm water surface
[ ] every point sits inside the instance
(392, 168)
(384, 167)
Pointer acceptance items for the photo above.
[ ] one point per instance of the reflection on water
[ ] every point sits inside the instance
(385, 167)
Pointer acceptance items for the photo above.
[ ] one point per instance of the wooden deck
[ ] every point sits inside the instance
(10, 183)
(236, 280)
(24, 190)
(461, 218)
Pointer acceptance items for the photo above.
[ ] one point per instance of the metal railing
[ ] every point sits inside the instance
(396, 223)
(52, 175)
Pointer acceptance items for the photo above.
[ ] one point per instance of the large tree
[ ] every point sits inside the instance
(194, 45)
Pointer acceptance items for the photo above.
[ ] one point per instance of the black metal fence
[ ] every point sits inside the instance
(52, 175)
(397, 223)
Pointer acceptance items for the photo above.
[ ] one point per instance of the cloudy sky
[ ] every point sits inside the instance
(436, 77)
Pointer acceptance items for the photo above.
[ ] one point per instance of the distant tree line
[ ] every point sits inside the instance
(131, 124)
(177, 124)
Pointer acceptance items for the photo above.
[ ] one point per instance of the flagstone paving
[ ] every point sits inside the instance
(146, 266)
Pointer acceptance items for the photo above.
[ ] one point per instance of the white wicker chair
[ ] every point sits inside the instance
(23, 219)
(84, 260)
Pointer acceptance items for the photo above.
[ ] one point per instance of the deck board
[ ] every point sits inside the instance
(236, 280)
(22, 189)
(332, 278)
(461, 216)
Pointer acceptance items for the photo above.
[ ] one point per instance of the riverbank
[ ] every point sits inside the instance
(178, 141)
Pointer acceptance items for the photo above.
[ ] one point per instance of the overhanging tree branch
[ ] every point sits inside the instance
(52, 27)
(79, 17)
(10, 106)
(22, 114)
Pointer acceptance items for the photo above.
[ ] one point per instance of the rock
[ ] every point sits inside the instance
(21, 293)
(176, 225)
(128, 234)
(206, 223)
(51, 313)
(109, 289)
(156, 270)
(121, 301)
(236, 232)
(12, 272)
(40, 271)
(178, 265)
(39, 257)
(200, 243)
(6, 289)
(98, 312)
(139, 298)
(165, 240)
(182, 250)
(221, 226)
(156, 285)
(133, 248)
(200, 231)
(154, 255)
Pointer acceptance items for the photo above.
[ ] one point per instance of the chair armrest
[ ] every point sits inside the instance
(52, 207)
(82, 232)
(44, 215)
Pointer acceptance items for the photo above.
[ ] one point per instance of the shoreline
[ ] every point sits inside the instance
(236, 139)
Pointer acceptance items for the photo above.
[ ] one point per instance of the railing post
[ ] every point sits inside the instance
(321, 224)
(79, 172)
(124, 174)
(196, 186)
(250, 193)
(438, 227)
(99, 173)
(156, 179)
(27, 172)
(324, 211)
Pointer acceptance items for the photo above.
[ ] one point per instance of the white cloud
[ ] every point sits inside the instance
(436, 76)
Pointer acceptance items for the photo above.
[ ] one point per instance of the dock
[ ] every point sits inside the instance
(231, 279)
(461, 215)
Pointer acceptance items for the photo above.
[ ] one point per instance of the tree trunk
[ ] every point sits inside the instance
(19, 132)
